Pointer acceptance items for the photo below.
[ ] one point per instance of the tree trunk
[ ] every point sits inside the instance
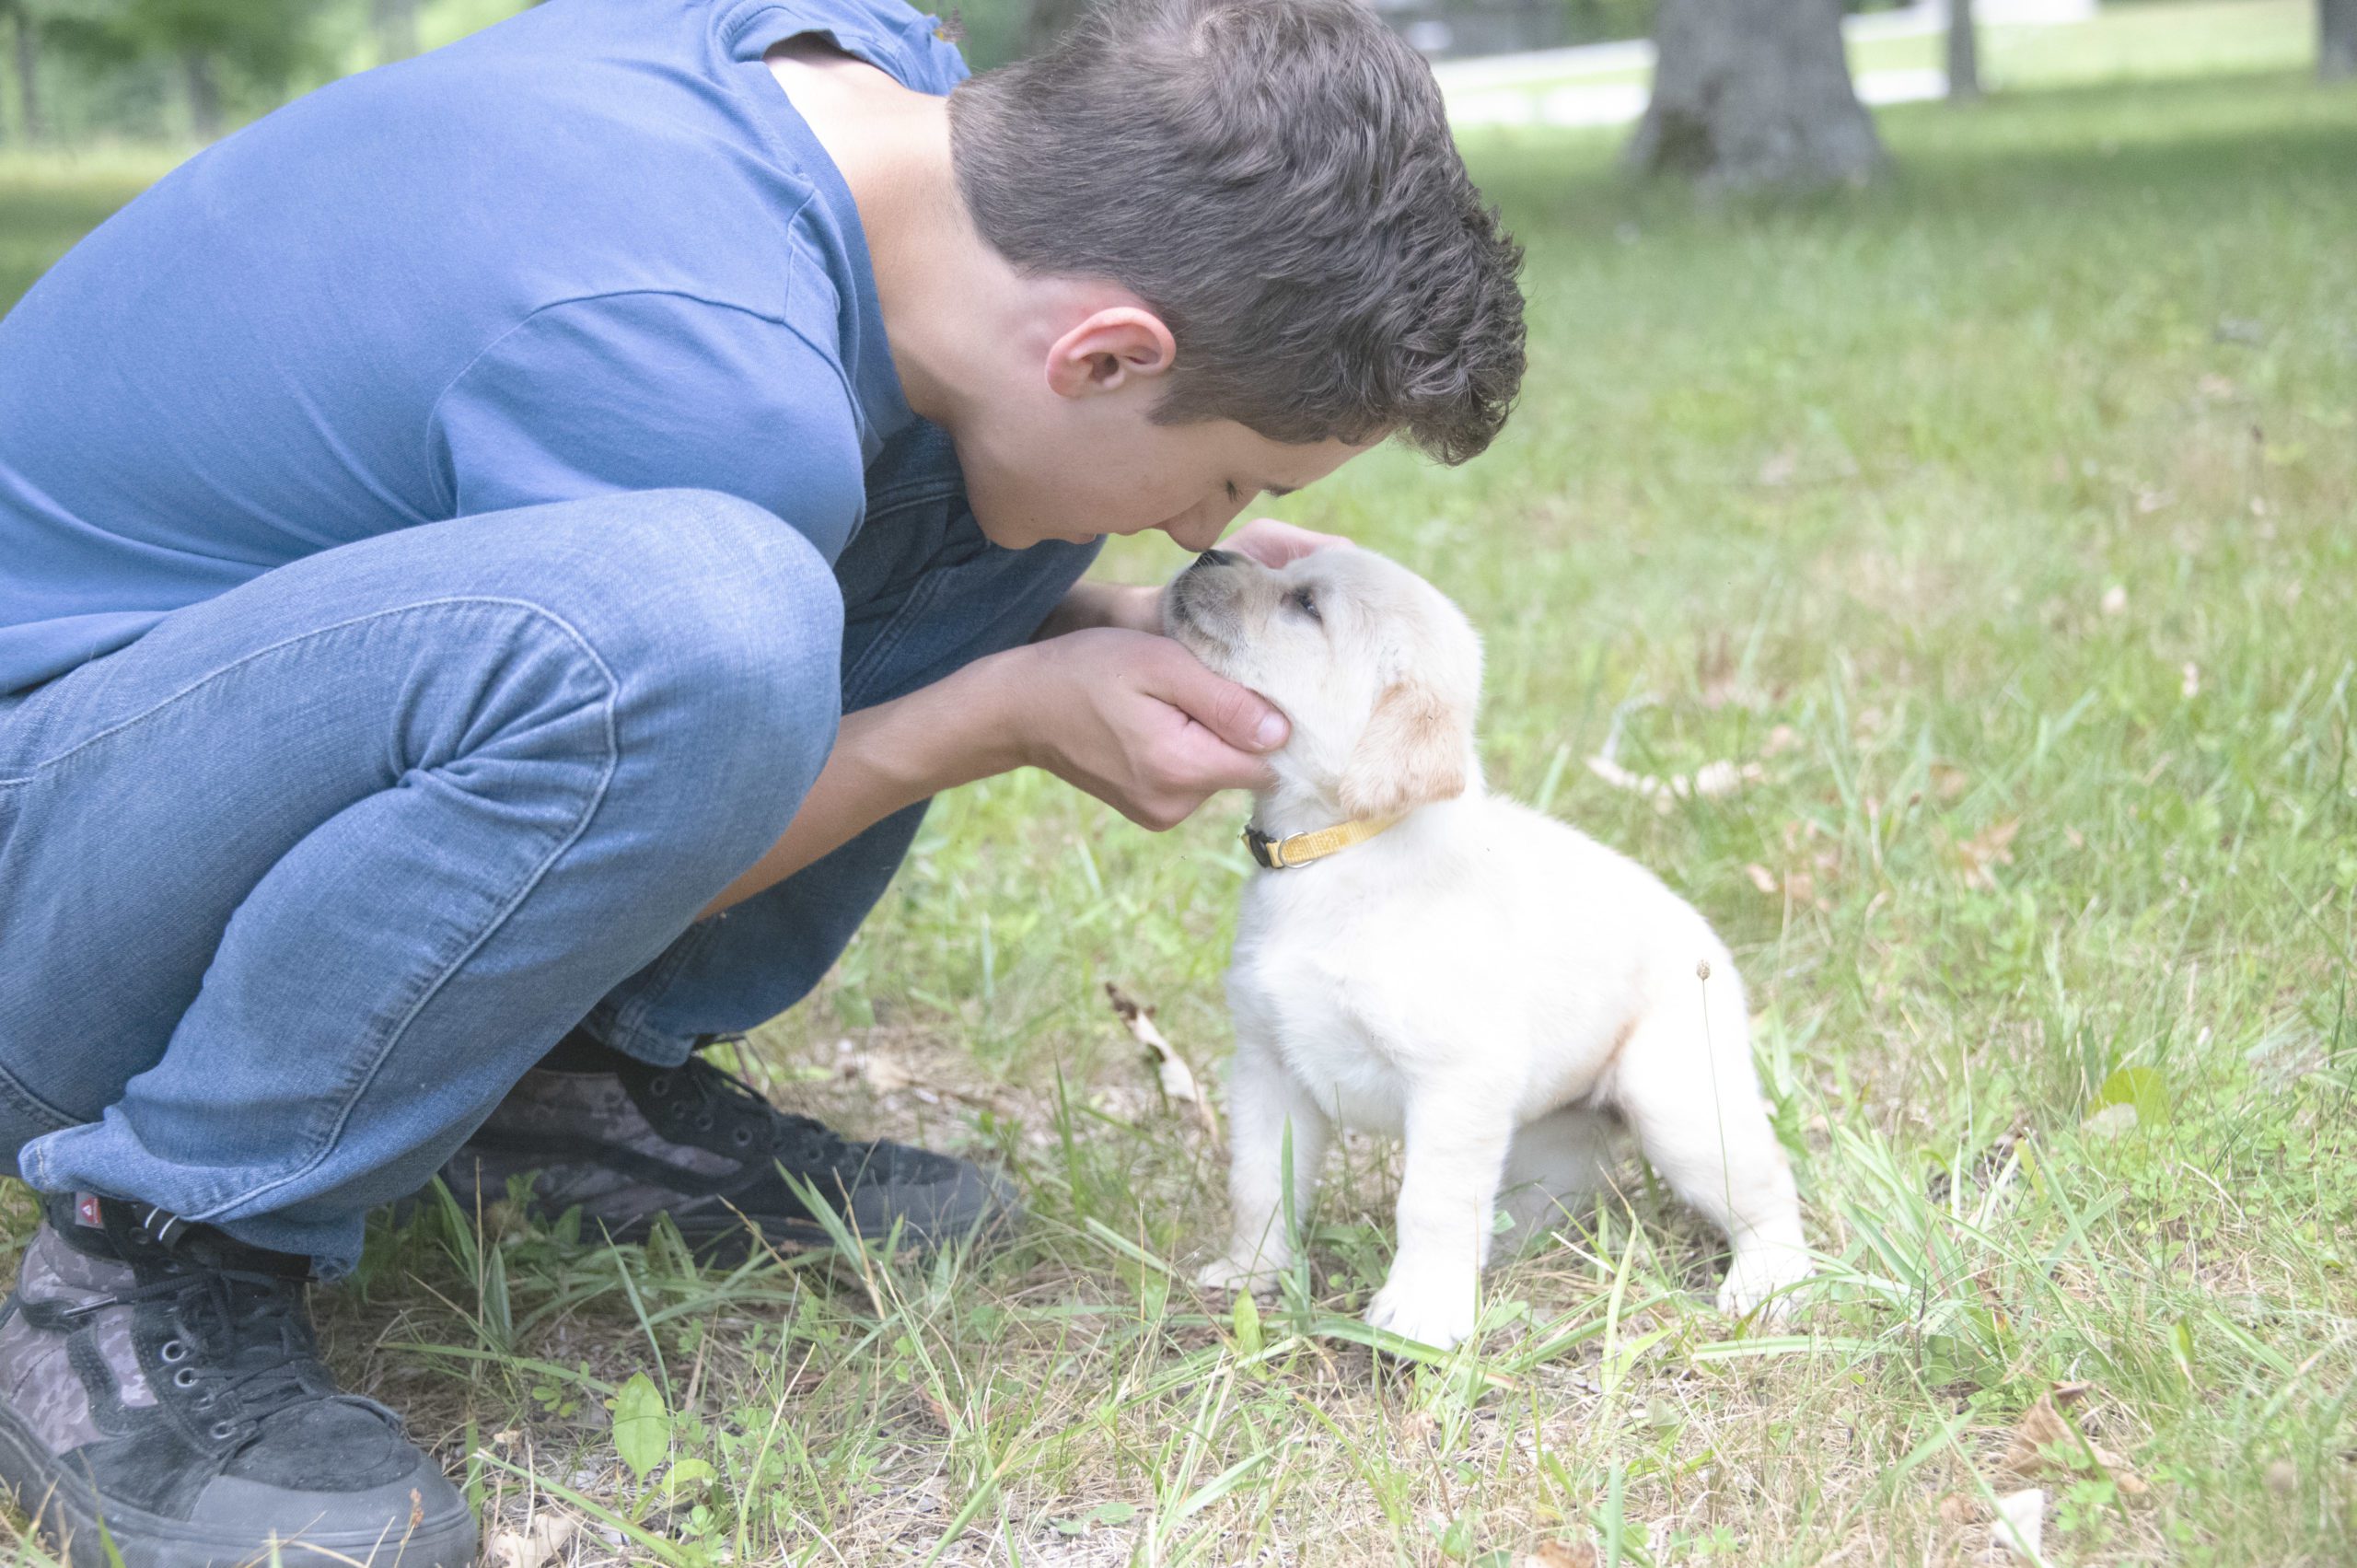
(204, 94)
(395, 24)
(2337, 39)
(1751, 93)
(28, 76)
(1043, 19)
(1964, 52)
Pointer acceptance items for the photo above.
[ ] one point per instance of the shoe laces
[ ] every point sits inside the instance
(709, 1096)
(241, 1340)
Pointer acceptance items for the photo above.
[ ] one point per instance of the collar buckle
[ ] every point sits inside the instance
(1269, 852)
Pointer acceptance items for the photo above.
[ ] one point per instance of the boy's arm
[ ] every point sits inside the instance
(1131, 718)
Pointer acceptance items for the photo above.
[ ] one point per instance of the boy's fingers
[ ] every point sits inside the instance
(1210, 764)
(1238, 714)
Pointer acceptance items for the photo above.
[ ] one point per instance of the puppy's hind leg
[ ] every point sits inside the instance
(1268, 1115)
(1686, 1084)
(1556, 1166)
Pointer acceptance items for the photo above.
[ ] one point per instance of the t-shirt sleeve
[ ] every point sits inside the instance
(654, 391)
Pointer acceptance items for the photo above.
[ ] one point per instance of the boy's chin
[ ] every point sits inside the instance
(1022, 530)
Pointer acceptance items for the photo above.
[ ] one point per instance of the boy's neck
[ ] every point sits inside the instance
(945, 291)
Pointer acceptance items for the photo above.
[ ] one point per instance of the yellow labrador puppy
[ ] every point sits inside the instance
(1427, 959)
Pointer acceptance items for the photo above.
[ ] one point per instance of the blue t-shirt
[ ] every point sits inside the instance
(591, 249)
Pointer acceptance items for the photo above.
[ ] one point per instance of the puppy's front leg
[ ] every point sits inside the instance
(1263, 1101)
(1457, 1149)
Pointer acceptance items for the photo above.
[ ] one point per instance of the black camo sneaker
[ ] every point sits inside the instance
(161, 1396)
(623, 1142)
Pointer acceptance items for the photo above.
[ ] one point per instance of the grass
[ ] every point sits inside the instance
(2135, 41)
(2003, 512)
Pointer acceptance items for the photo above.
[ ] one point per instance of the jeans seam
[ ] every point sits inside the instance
(629, 1019)
(916, 491)
(12, 1089)
(158, 706)
(221, 1207)
(894, 633)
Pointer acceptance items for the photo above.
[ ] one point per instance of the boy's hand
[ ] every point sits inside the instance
(1137, 721)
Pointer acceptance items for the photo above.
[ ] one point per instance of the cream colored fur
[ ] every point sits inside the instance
(1496, 987)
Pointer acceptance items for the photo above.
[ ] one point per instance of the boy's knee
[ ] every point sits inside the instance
(719, 628)
(742, 603)
(743, 622)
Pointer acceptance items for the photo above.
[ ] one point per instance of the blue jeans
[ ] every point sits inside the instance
(294, 888)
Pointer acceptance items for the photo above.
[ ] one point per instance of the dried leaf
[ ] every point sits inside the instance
(1722, 777)
(1171, 1069)
(1561, 1554)
(543, 1537)
(2129, 1483)
(2044, 1442)
(1956, 1508)
(2040, 1430)
(1709, 780)
(1985, 850)
(1762, 878)
(885, 1074)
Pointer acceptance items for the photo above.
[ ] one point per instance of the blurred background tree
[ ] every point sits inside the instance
(24, 54)
(1750, 93)
(257, 45)
(394, 22)
(1964, 52)
(2337, 39)
(84, 71)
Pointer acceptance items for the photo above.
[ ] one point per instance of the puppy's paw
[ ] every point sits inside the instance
(1429, 1312)
(1227, 1275)
(1760, 1282)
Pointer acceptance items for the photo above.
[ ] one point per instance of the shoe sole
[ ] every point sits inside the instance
(724, 1239)
(65, 1508)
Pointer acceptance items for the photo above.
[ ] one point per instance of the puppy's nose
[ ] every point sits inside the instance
(1215, 558)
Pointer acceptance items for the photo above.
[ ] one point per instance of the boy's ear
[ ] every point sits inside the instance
(1412, 753)
(1103, 352)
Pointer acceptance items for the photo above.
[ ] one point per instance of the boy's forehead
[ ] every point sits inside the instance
(1285, 467)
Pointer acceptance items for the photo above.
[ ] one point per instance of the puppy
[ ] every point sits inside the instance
(1448, 966)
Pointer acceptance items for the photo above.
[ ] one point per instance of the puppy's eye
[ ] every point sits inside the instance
(1301, 599)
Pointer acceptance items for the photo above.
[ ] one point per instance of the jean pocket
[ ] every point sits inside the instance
(24, 1115)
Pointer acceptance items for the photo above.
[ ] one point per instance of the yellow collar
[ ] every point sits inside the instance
(1300, 848)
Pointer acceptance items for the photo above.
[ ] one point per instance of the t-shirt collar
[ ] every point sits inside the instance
(909, 49)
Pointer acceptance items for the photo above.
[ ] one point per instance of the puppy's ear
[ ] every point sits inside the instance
(1413, 752)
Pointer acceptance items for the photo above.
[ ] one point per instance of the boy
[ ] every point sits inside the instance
(496, 556)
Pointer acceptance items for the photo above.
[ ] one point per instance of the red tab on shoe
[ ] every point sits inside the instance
(86, 1211)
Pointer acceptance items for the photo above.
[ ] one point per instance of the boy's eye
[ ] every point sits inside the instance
(1301, 599)
(1235, 495)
